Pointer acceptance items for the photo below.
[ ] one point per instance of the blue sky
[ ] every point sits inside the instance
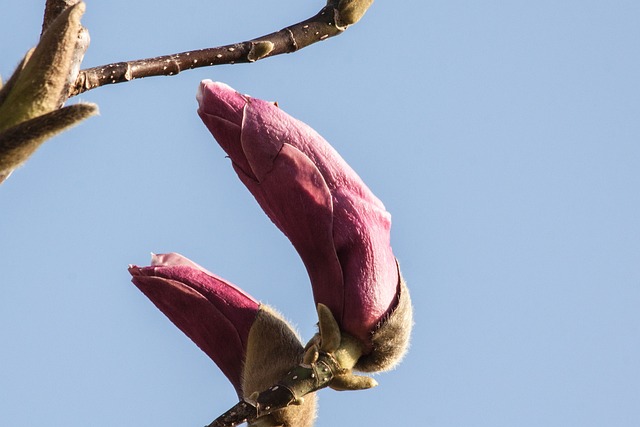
(504, 138)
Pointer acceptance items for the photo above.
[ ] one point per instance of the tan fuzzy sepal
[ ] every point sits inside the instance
(40, 82)
(391, 338)
(19, 142)
(273, 348)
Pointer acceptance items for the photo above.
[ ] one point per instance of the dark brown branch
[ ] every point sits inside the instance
(331, 21)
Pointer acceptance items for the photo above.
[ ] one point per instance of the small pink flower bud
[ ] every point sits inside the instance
(251, 344)
(215, 314)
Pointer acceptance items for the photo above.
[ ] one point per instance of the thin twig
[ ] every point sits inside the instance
(327, 23)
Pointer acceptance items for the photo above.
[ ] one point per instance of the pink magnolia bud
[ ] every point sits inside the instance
(251, 344)
(339, 228)
(215, 314)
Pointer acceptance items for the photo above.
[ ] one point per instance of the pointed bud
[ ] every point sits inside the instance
(337, 225)
(30, 101)
(40, 86)
(351, 11)
(251, 344)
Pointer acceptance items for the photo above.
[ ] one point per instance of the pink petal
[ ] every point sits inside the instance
(216, 315)
(296, 198)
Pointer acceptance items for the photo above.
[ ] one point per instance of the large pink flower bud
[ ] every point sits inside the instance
(339, 228)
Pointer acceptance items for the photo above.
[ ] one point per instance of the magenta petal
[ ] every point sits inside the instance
(262, 135)
(296, 198)
(216, 315)
(221, 109)
(220, 100)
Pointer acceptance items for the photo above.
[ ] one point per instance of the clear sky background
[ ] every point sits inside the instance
(503, 136)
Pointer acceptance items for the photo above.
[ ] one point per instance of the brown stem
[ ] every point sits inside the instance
(327, 23)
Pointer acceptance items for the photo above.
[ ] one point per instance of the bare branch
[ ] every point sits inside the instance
(331, 21)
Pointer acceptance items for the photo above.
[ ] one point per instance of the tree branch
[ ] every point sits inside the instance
(331, 21)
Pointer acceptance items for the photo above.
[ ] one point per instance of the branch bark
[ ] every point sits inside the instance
(331, 21)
